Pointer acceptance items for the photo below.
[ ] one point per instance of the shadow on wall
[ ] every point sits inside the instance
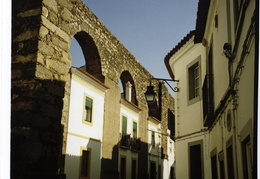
(87, 164)
(107, 168)
(111, 167)
(36, 129)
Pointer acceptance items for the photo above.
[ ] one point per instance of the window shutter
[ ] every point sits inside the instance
(88, 102)
(134, 129)
(124, 125)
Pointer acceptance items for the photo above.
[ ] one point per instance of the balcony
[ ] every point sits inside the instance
(130, 143)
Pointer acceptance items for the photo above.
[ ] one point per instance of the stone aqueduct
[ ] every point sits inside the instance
(42, 31)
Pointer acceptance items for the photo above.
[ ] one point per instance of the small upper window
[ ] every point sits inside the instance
(88, 109)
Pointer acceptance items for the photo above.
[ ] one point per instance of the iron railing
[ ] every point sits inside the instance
(131, 143)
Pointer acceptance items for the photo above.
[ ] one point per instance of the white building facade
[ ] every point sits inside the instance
(191, 135)
(160, 166)
(129, 140)
(215, 117)
(85, 128)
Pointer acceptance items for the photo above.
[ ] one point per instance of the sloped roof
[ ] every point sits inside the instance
(176, 49)
(202, 15)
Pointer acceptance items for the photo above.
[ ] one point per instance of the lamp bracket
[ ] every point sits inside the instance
(175, 89)
(164, 79)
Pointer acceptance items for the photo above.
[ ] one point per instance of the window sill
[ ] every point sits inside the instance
(194, 100)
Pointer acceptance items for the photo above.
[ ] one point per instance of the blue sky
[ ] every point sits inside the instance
(149, 29)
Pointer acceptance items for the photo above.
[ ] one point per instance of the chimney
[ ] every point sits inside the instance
(128, 92)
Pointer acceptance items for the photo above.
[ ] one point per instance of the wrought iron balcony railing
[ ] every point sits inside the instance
(131, 143)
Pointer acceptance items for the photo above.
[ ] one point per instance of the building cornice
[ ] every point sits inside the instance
(85, 76)
(130, 105)
(175, 50)
(202, 15)
(154, 120)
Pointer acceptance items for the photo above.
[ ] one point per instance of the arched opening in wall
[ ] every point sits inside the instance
(121, 89)
(78, 59)
(89, 54)
(127, 83)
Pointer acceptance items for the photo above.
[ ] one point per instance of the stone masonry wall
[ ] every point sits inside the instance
(42, 31)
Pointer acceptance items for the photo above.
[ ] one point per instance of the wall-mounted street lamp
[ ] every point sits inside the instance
(227, 50)
(150, 94)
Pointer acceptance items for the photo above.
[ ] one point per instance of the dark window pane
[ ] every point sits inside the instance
(85, 163)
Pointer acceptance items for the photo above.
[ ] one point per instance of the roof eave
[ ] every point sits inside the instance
(202, 15)
(175, 50)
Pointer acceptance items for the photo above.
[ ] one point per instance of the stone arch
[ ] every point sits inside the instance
(127, 77)
(91, 54)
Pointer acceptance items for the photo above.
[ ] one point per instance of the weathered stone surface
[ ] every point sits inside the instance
(66, 14)
(45, 48)
(53, 17)
(55, 29)
(45, 12)
(31, 12)
(60, 43)
(43, 32)
(51, 4)
(43, 73)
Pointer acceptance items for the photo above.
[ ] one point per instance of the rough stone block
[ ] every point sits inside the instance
(24, 105)
(59, 67)
(60, 43)
(50, 111)
(45, 48)
(55, 29)
(51, 4)
(53, 17)
(24, 59)
(65, 3)
(66, 14)
(31, 12)
(54, 89)
(43, 73)
(17, 73)
(43, 32)
(45, 12)
(26, 35)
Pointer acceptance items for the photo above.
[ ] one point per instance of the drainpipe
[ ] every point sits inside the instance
(235, 131)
